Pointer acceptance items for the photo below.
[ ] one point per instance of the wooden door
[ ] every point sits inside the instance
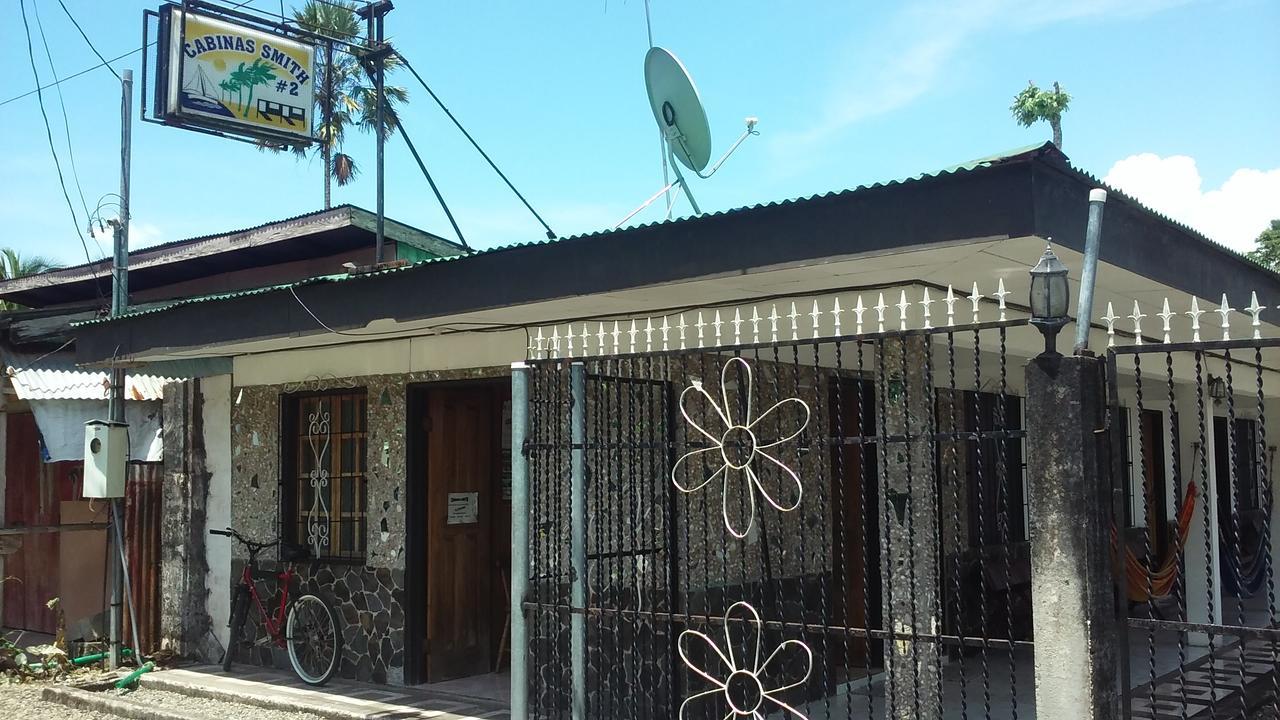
(857, 545)
(460, 471)
(1151, 433)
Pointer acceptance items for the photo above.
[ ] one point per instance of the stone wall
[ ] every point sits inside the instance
(370, 597)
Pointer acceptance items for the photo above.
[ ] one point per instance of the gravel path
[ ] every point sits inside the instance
(213, 708)
(24, 701)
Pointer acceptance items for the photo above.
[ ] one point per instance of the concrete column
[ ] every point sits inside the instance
(909, 527)
(1077, 650)
(1204, 576)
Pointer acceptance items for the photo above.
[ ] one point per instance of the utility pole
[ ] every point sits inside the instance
(373, 15)
(120, 301)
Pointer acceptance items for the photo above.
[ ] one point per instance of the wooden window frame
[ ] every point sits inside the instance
(295, 452)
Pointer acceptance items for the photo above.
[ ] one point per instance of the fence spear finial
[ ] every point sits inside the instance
(951, 306)
(880, 308)
(858, 310)
(975, 298)
(902, 310)
(1166, 316)
(815, 314)
(925, 302)
(835, 315)
(1255, 310)
(1137, 323)
(1110, 319)
(755, 324)
(1225, 310)
(1195, 312)
(1000, 293)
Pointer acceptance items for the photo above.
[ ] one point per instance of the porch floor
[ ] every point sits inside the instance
(338, 699)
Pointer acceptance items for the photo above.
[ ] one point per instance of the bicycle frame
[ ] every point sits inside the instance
(274, 623)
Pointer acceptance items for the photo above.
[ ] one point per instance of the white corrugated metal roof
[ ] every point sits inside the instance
(47, 384)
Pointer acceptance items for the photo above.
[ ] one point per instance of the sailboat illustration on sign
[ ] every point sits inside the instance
(201, 93)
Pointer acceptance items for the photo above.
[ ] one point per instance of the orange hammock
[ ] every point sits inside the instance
(1144, 584)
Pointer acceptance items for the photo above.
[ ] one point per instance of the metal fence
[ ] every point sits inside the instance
(1194, 504)
(816, 528)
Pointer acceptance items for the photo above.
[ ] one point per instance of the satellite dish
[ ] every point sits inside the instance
(677, 108)
(686, 134)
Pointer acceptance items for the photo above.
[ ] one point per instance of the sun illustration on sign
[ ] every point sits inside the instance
(737, 673)
(740, 447)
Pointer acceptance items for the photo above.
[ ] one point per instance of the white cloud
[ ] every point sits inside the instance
(1233, 214)
(918, 45)
(141, 235)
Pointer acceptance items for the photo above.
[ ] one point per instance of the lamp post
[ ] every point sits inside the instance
(1049, 298)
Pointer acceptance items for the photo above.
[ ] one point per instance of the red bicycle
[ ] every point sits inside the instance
(307, 627)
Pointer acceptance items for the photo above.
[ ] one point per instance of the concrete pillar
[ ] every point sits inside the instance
(909, 520)
(1204, 577)
(1073, 604)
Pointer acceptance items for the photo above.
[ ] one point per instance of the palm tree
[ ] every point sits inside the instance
(1033, 105)
(13, 266)
(344, 91)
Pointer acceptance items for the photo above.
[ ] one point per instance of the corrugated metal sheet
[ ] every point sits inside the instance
(43, 384)
(1017, 154)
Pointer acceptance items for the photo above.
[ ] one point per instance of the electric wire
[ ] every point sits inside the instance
(550, 233)
(87, 40)
(72, 76)
(66, 124)
(31, 55)
(104, 63)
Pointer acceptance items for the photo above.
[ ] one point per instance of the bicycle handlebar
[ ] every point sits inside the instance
(253, 546)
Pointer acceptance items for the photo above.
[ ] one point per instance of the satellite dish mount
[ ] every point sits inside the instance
(686, 134)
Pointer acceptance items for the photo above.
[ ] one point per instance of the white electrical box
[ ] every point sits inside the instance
(106, 452)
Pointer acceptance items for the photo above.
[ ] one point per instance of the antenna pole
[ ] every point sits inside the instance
(684, 184)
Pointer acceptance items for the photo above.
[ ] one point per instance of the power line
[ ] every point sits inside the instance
(66, 124)
(105, 62)
(73, 76)
(87, 40)
(550, 233)
(31, 55)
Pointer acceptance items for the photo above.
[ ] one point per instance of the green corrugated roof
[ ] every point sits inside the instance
(963, 168)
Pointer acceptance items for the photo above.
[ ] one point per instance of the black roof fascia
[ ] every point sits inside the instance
(987, 202)
(1144, 242)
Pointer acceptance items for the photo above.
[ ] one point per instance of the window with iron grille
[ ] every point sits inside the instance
(325, 457)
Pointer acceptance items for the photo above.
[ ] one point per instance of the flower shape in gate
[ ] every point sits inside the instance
(740, 446)
(737, 673)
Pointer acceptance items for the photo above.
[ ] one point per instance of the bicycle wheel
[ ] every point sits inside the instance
(313, 640)
(239, 611)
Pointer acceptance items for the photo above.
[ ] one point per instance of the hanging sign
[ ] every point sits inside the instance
(219, 74)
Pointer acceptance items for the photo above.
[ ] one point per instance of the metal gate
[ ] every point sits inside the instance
(1195, 522)
(813, 528)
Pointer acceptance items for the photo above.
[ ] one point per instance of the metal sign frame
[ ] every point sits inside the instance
(159, 113)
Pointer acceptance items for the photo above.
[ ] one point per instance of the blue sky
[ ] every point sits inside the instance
(1176, 100)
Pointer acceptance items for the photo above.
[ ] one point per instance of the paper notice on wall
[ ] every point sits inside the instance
(464, 508)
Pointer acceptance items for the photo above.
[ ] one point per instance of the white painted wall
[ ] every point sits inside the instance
(419, 354)
(216, 415)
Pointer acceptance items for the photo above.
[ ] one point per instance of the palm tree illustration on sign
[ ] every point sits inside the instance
(259, 73)
(229, 86)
